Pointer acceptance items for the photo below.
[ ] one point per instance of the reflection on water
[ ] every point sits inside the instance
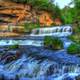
(27, 68)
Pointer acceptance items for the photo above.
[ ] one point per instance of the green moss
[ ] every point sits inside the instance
(73, 49)
(53, 43)
(16, 46)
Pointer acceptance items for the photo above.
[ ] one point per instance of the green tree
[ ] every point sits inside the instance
(68, 15)
(58, 13)
(77, 9)
(39, 4)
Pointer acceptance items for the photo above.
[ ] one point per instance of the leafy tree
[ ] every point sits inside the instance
(53, 43)
(77, 9)
(68, 15)
(58, 14)
(39, 4)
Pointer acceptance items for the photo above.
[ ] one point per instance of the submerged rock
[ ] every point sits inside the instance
(78, 77)
(68, 78)
(10, 56)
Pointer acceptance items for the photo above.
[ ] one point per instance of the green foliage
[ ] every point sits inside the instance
(16, 46)
(77, 10)
(75, 38)
(76, 29)
(68, 15)
(73, 49)
(58, 13)
(39, 4)
(29, 26)
(72, 15)
(46, 5)
(53, 43)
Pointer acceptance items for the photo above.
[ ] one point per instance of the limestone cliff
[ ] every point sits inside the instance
(18, 13)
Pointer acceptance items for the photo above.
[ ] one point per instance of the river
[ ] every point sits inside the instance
(29, 67)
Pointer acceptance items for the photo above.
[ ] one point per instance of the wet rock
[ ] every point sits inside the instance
(78, 77)
(78, 55)
(25, 79)
(10, 56)
(66, 69)
(2, 77)
(2, 50)
(68, 78)
(52, 70)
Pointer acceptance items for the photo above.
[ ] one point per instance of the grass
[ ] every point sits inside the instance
(16, 46)
(73, 49)
(75, 38)
(53, 43)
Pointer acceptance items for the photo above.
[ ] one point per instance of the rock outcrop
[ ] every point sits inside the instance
(18, 13)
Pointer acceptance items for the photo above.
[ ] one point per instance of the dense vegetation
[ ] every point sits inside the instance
(16, 46)
(77, 9)
(74, 49)
(39, 4)
(68, 15)
(53, 43)
(76, 27)
(29, 26)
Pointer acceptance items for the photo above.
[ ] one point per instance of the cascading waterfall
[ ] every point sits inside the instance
(28, 67)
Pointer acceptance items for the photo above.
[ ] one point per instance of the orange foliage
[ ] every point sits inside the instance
(45, 19)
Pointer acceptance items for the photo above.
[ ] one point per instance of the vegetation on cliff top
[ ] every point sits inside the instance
(46, 5)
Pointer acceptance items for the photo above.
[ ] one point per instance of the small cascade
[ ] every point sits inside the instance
(59, 31)
(21, 42)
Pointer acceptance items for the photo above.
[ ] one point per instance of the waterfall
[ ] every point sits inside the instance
(28, 67)
(59, 31)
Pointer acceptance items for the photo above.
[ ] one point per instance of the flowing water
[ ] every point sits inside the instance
(29, 68)
(21, 42)
(31, 42)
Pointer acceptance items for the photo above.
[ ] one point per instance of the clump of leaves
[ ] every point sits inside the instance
(16, 46)
(53, 43)
(73, 49)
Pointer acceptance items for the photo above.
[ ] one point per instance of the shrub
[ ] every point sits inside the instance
(40, 4)
(16, 46)
(73, 49)
(53, 43)
(29, 26)
(75, 38)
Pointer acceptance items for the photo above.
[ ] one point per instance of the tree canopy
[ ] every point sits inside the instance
(39, 4)
(77, 9)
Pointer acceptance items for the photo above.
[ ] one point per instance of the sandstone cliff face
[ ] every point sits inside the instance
(18, 14)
